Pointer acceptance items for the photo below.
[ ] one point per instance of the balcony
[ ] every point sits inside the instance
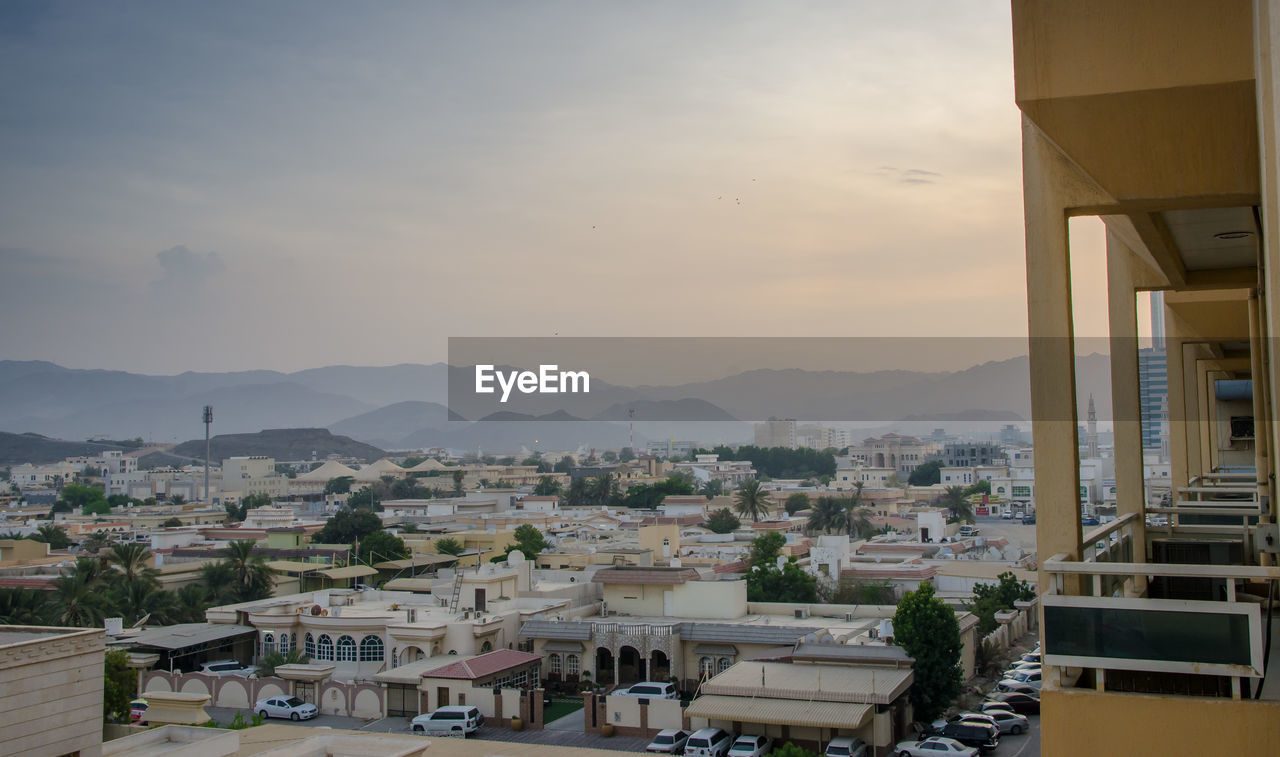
(1189, 615)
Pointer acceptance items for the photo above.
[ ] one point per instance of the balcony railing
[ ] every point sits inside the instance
(632, 629)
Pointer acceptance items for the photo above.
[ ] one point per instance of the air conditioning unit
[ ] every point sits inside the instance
(802, 612)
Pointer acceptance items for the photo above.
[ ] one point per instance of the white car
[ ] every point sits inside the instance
(708, 742)
(450, 720)
(292, 708)
(1031, 657)
(980, 718)
(846, 746)
(227, 668)
(668, 741)
(1009, 722)
(651, 690)
(1023, 665)
(934, 746)
(1029, 678)
(991, 708)
(747, 745)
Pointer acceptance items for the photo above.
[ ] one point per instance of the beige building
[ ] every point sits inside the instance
(1160, 118)
(776, 433)
(51, 691)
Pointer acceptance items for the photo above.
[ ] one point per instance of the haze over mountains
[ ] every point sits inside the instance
(401, 406)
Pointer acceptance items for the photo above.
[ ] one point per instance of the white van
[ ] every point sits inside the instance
(708, 742)
(451, 720)
(651, 690)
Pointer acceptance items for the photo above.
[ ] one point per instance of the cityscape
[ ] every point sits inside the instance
(560, 380)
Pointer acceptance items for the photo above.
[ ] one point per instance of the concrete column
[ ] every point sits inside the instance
(1267, 69)
(1051, 186)
(1261, 411)
(1178, 470)
(1126, 400)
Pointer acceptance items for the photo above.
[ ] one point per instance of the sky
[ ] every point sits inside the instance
(201, 186)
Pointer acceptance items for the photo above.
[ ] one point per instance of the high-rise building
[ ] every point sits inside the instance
(1159, 118)
(776, 433)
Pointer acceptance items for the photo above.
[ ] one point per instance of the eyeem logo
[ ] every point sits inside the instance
(548, 380)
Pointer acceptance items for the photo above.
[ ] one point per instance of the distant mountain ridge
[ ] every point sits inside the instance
(281, 444)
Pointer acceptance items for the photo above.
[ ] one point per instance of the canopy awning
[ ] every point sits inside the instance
(294, 566)
(185, 635)
(560, 645)
(716, 649)
(419, 585)
(781, 711)
(351, 571)
(417, 561)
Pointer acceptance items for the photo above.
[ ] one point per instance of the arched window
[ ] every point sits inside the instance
(371, 649)
(324, 648)
(268, 643)
(309, 645)
(723, 664)
(486, 647)
(346, 649)
(572, 664)
(553, 664)
(706, 667)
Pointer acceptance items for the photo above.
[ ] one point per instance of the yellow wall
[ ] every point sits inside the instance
(651, 538)
(1146, 724)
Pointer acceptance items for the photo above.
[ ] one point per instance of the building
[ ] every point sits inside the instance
(776, 433)
(894, 451)
(969, 454)
(1160, 119)
(1153, 391)
(52, 684)
(665, 450)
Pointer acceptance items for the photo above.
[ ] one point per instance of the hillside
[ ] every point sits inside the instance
(34, 448)
(281, 444)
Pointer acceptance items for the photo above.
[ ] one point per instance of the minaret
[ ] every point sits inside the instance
(1092, 450)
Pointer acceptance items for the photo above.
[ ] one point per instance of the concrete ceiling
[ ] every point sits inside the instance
(1214, 238)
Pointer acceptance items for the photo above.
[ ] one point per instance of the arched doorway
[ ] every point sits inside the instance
(631, 666)
(408, 655)
(604, 665)
(659, 666)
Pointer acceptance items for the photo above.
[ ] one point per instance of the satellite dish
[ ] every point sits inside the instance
(515, 558)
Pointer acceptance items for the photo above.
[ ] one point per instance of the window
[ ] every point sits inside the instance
(371, 649)
(324, 649)
(309, 646)
(706, 666)
(486, 647)
(553, 664)
(268, 643)
(723, 664)
(572, 664)
(346, 649)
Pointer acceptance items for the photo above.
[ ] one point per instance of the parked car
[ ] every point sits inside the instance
(1032, 656)
(967, 717)
(748, 745)
(668, 741)
(934, 746)
(1009, 722)
(1023, 704)
(846, 746)
(969, 531)
(1090, 521)
(1021, 666)
(1021, 678)
(452, 720)
(992, 708)
(1013, 687)
(138, 711)
(982, 736)
(292, 708)
(227, 668)
(651, 690)
(1029, 520)
(708, 742)
(1007, 515)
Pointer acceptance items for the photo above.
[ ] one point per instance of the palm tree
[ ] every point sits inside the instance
(24, 607)
(827, 515)
(91, 569)
(217, 581)
(53, 535)
(96, 541)
(752, 499)
(958, 504)
(251, 576)
(131, 560)
(145, 599)
(577, 493)
(272, 660)
(77, 601)
(449, 546)
(177, 499)
(858, 523)
(192, 600)
(604, 491)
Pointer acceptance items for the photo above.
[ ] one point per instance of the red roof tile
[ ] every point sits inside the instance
(484, 665)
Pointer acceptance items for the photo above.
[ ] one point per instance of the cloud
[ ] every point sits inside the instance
(183, 267)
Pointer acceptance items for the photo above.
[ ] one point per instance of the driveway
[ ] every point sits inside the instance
(549, 736)
(224, 715)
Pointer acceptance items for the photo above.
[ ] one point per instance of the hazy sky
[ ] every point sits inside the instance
(217, 186)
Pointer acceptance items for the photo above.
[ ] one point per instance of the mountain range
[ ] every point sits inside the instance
(401, 406)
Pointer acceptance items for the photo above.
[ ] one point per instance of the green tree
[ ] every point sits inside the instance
(272, 660)
(723, 521)
(119, 687)
(626, 455)
(752, 500)
(96, 542)
(177, 499)
(96, 507)
(957, 503)
(711, 488)
(53, 535)
(382, 545)
(797, 502)
(926, 629)
(529, 540)
(81, 496)
(79, 600)
(131, 562)
(828, 516)
(172, 523)
(789, 749)
(250, 575)
(136, 600)
(547, 486)
(119, 500)
(412, 460)
(604, 490)
(649, 496)
(192, 600)
(609, 456)
(983, 486)
(563, 465)
(926, 474)
(790, 583)
(365, 498)
(458, 477)
(346, 526)
(25, 607)
(578, 493)
(765, 548)
(236, 513)
(339, 485)
(448, 546)
(254, 501)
